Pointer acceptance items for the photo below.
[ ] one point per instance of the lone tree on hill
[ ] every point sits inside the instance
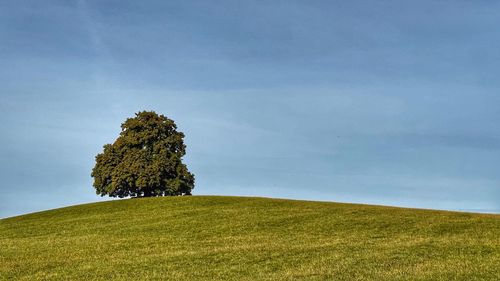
(144, 161)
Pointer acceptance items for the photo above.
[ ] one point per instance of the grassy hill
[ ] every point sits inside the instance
(234, 238)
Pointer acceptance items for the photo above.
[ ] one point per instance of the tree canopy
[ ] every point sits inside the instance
(145, 160)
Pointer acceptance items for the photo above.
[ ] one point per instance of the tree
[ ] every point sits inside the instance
(144, 161)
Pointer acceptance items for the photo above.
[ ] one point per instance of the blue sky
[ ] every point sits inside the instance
(380, 102)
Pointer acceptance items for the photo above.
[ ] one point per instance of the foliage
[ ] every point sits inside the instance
(144, 161)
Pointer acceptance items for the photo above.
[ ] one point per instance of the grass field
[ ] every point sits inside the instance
(235, 238)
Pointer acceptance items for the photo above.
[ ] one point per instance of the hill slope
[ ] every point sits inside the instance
(234, 238)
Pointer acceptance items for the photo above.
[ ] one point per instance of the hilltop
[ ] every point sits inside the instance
(238, 238)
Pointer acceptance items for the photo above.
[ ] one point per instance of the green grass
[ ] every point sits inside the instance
(234, 238)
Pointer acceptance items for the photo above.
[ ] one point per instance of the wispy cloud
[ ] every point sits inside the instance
(92, 29)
